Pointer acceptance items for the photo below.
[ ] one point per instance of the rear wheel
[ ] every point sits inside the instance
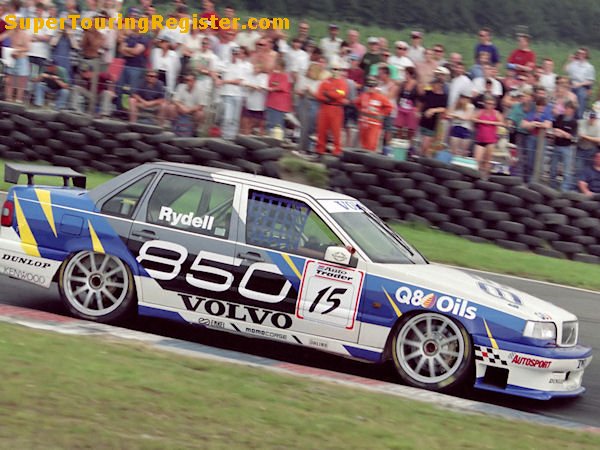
(97, 286)
(432, 351)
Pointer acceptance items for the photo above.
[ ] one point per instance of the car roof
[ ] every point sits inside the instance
(314, 192)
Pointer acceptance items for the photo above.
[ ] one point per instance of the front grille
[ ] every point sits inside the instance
(569, 334)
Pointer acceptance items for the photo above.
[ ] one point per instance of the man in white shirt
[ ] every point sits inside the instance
(548, 76)
(226, 44)
(488, 74)
(232, 94)
(331, 45)
(416, 51)
(248, 39)
(355, 45)
(39, 50)
(205, 65)
(582, 75)
(460, 84)
(187, 100)
(297, 60)
(400, 60)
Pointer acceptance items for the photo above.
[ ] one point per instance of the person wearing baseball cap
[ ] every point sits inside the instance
(373, 108)
(416, 51)
(331, 44)
(373, 55)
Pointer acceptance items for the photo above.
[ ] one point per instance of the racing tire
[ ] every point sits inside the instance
(512, 245)
(145, 128)
(413, 194)
(459, 212)
(23, 122)
(432, 351)
(502, 198)
(258, 156)
(546, 235)
(568, 247)
(39, 133)
(585, 258)
(489, 186)
(584, 240)
(549, 252)
(74, 119)
(455, 228)
(434, 189)
(510, 227)
(446, 174)
(517, 212)
(97, 287)
(492, 234)
(479, 206)
(560, 203)
(449, 202)
(526, 194)
(128, 136)
(494, 216)
(588, 205)
(458, 184)
(469, 194)
(506, 180)
(399, 184)
(531, 224)
(72, 137)
(542, 209)
(159, 138)
(92, 133)
(250, 143)
(422, 177)
(110, 126)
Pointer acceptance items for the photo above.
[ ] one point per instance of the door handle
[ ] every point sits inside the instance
(251, 256)
(144, 234)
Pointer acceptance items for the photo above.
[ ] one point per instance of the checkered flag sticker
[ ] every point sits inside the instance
(490, 356)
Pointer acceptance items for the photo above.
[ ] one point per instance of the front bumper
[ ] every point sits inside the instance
(527, 371)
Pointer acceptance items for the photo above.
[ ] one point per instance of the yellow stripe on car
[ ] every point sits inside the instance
(45, 201)
(28, 241)
(396, 309)
(96, 244)
(288, 260)
(492, 340)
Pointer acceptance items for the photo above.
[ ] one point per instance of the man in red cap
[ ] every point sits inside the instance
(373, 107)
(333, 95)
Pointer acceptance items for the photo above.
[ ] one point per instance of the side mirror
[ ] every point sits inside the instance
(340, 255)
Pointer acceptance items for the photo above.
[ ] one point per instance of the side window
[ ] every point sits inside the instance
(287, 225)
(192, 204)
(123, 203)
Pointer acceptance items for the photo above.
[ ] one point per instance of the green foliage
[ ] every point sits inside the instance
(545, 19)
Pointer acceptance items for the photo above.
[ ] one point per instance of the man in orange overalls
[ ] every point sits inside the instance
(332, 94)
(373, 108)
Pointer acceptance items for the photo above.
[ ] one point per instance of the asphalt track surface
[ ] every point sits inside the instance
(585, 304)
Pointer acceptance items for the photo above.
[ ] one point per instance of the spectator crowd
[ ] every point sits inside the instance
(340, 90)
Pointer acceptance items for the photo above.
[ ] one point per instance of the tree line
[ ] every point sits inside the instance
(548, 20)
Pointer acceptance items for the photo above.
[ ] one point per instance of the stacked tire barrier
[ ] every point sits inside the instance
(81, 142)
(501, 210)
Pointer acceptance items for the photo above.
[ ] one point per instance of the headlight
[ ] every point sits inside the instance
(570, 330)
(540, 330)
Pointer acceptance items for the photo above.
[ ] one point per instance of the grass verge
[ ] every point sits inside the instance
(93, 178)
(450, 249)
(65, 392)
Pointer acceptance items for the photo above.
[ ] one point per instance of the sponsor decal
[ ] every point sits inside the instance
(236, 311)
(581, 363)
(23, 275)
(444, 303)
(25, 261)
(557, 380)
(329, 294)
(201, 274)
(543, 316)
(316, 343)
(211, 323)
(499, 291)
(269, 334)
(519, 360)
(189, 220)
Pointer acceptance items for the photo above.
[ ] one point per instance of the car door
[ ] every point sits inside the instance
(184, 238)
(283, 241)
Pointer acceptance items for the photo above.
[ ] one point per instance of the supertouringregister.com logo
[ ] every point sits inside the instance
(145, 24)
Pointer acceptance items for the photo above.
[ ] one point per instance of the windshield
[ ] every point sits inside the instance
(374, 237)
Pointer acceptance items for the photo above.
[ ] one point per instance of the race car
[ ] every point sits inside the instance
(273, 259)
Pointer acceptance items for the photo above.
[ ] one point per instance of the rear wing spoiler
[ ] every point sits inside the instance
(13, 171)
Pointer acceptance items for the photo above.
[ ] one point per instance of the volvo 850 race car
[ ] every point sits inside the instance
(273, 259)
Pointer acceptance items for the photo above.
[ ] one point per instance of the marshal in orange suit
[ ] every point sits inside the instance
(373, 107)
(332, 94)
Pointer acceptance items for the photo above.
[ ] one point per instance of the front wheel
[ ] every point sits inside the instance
(432, 351)
(97, 286)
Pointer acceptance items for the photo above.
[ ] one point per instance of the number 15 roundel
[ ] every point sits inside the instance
(329, 294)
